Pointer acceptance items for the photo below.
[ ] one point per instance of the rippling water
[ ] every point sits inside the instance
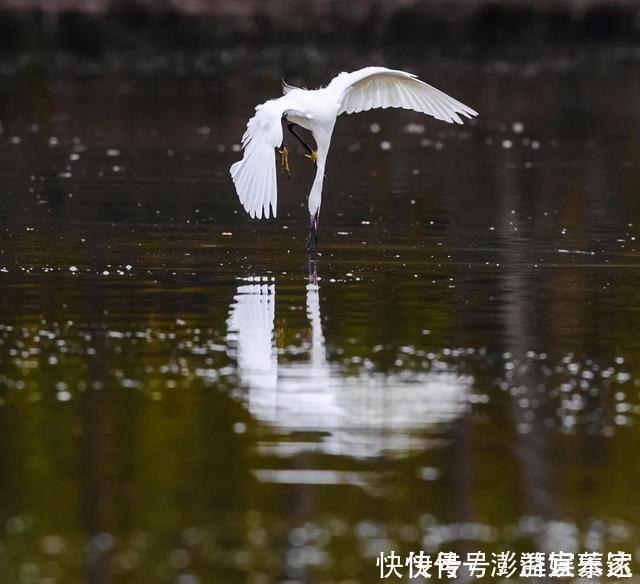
(187, 395)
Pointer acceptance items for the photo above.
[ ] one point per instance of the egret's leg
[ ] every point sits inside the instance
(291, 127)
(284, 159)
(313, 230)
(311, 153)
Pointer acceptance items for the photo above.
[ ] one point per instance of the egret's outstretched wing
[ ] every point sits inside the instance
(255, 175)
(379, 87)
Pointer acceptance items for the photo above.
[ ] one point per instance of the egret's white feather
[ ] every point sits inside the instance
(255, 175)
(286, 88)
(379, 87)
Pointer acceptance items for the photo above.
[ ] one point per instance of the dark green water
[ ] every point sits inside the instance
(189, 396)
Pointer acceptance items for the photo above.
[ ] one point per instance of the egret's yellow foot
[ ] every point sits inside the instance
(313, 156)
(284, 160)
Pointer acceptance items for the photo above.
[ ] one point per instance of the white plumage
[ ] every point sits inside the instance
(376, 87)
(255, 175)
(316, 110)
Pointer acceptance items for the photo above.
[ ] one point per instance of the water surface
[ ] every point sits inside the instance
(187, 395)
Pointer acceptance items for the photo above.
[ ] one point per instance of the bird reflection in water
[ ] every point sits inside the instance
(250, 333)
(251, 341)
(362, 414)
(318, 351)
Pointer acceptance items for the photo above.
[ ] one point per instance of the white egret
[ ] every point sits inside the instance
(317, 110)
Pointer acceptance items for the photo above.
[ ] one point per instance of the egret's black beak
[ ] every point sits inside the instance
(313, 230)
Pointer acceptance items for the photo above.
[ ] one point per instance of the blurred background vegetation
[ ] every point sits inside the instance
(92, 26)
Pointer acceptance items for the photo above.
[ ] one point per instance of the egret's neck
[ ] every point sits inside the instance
(315, 196)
